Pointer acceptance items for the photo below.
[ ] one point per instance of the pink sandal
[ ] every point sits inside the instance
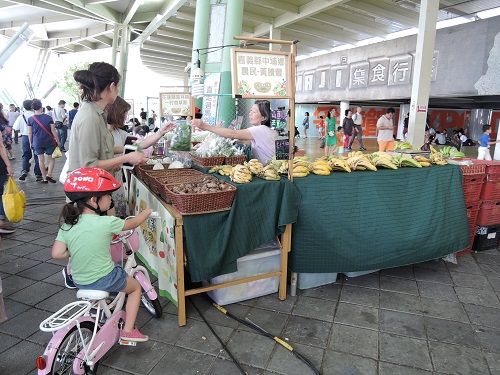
(135, 335)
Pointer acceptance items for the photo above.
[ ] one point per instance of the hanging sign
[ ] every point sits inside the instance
(282, 149)
(176, 104)
(260, 74)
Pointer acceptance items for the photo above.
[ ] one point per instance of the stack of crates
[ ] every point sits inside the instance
(488, 219)
(472, 184)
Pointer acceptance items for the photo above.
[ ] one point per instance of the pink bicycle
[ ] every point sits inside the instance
(84, 330)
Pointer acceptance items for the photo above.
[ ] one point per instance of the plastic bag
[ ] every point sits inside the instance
(14, 201)
(57, 153)
(181, 140)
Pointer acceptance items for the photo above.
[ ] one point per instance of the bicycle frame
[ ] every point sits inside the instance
(109, 332)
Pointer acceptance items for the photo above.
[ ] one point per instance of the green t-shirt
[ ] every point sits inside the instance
(88, 244)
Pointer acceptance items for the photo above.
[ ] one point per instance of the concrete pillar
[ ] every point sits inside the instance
(426, 41)
(344, 104)
(124, 56)
(114, 45)
(200, 39)
(234, 21)
(276, 35)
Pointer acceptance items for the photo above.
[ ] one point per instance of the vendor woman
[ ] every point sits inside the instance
(260, 136)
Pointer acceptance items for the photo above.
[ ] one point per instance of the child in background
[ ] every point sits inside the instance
(321, 127)
(340, 140)
(483, 151)
(86, 236)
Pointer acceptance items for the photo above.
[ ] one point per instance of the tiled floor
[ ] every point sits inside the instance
(429, 318)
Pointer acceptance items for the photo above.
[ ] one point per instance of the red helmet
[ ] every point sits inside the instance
(89, 182)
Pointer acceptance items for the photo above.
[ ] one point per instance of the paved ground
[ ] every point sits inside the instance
(429, 318)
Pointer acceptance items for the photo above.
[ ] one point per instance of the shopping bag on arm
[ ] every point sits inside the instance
(14, 201)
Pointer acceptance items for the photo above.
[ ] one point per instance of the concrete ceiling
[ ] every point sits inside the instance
(164, 28)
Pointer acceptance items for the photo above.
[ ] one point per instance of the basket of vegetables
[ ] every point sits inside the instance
(205, 196)
(153, 163)
(214, 150)
(156, 179)
(207, 161)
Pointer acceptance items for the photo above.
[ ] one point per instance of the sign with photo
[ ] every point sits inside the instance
(260, 74)
(176, 104)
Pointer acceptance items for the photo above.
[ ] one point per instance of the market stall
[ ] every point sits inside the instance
(213, 242)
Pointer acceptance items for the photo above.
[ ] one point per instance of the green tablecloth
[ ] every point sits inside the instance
(260, 211)
(372, 220)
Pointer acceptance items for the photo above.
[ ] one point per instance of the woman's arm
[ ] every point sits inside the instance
(54, 133)
(155, 137)
(223, 132)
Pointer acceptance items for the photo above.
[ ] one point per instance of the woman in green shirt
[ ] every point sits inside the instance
(331, 134)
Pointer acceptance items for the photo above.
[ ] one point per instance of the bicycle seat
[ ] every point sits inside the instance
(91, 294)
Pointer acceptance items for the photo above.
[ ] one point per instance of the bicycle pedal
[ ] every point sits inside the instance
(128, 343)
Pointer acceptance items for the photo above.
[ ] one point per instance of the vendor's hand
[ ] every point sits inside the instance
(198, 123)
(136, 158)
(167, 127)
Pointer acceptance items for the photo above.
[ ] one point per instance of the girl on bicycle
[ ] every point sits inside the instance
(86, 236)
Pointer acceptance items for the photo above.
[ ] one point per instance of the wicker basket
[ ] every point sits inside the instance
(233, 160)
(172, 176)
(164, 189)
(193, 204)
(141, 169)
(208, 161)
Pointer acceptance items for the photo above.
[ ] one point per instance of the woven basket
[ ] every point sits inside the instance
(157, 180)
(208, 161)
(202, 203)
(233, 160)
(164, 189)
(141, 169)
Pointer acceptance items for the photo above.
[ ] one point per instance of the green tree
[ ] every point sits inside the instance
(68, 85)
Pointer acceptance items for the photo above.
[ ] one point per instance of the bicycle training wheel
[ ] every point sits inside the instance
(70, 346)
(152, 305)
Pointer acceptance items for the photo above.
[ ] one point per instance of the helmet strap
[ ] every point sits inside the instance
(97, 209)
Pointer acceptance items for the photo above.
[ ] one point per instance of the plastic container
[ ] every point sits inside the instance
(489, 213)
(312, 280)
(259, 261)
(486, 238)
(491, 188)
(359, 273)
(472, 212)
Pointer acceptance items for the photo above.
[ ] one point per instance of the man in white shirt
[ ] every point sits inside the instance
(385, 128)
(21, 126)
(358, 129)
(59, 116)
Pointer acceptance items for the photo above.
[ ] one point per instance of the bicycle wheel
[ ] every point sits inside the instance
(152, 305)
(70, 346)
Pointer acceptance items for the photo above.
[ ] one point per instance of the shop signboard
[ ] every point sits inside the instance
(211, 98)
(176, 104)
(278, 119)
(260, 74)
(282, 149)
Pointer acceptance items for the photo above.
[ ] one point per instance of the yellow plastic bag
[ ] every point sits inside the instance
(57, 153)
(14, 201)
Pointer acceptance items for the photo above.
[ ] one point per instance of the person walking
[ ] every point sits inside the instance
(143, 115)
(358, 129)
(72, 113)
(12, 116)
(59, 116)
(385, 128)
(5, 171)
(43, 139)
(21, 125)
(305, 124)
(6, 130)
(348, 126)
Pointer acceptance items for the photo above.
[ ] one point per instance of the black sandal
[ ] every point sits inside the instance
(50, 179)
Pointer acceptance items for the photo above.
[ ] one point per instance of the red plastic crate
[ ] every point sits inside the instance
(472, 212)
(492, 166)
(489, 213)
(491, 188)
(472, 235)
(472, 185)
